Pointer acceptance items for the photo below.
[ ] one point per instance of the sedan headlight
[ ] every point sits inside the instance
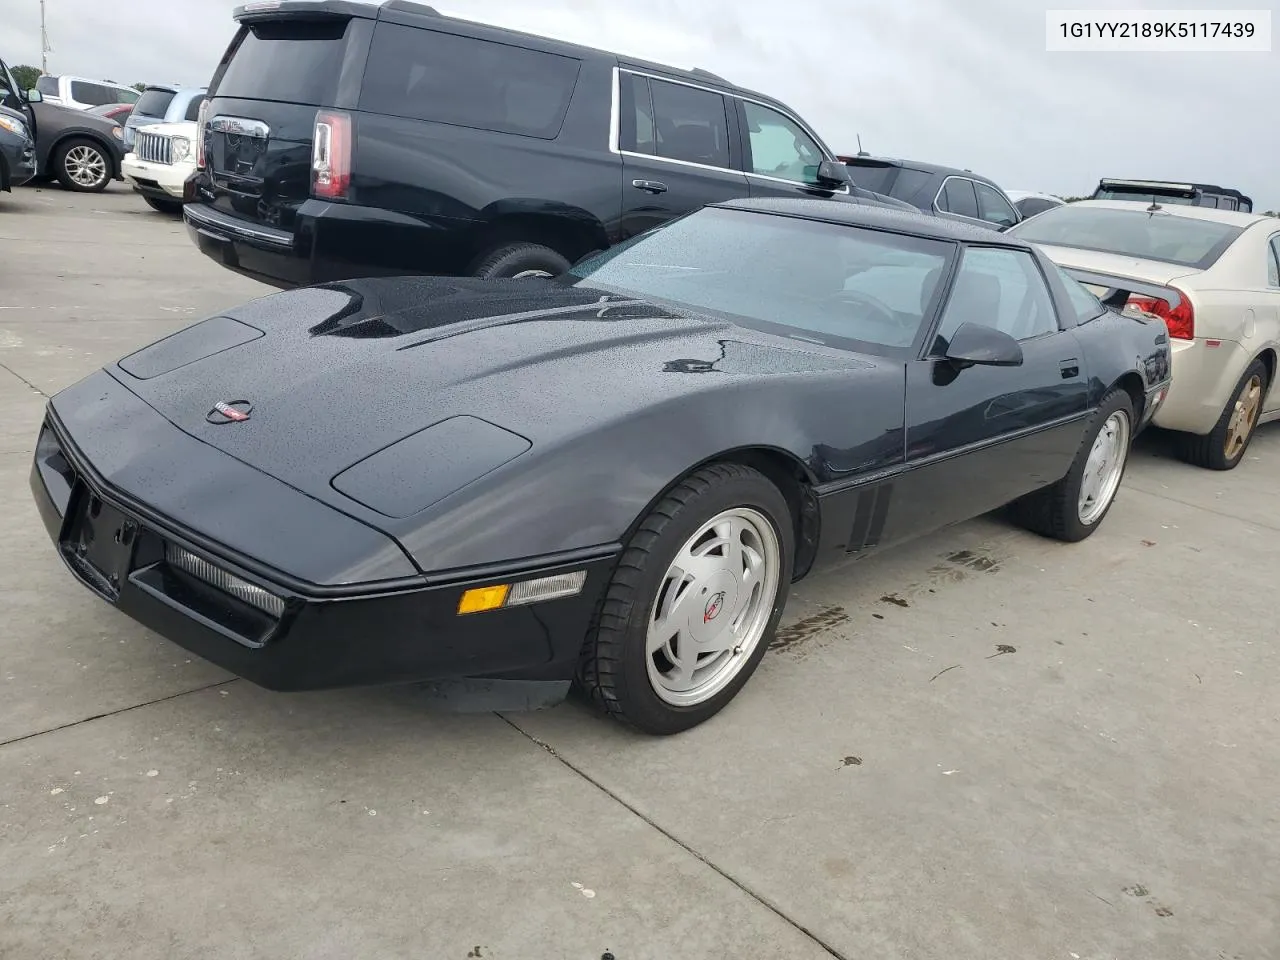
(181, 149)
(15, 126)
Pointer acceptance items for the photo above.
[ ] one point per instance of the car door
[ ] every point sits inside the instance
(781, 155)
(1272, 314)
(679, 148)
(982, 436)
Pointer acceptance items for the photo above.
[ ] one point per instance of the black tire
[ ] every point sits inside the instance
(1055, 510)
(516, 258)
(62, 165)
(1209, 451)
(612, 670)
(171, 207)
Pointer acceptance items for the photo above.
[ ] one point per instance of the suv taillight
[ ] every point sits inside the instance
(204, 111)
(331, 155)
(1181, 320)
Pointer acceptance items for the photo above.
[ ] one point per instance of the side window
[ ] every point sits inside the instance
(92, 94)
(126, 95)
(635, 123)
(1002, 289)
(690, 124)
(1273, 261)
(958, 197)
(779, 146)
(193, 108)
(1087, 306)
(439, 77)
(992, 207)
(47, 85)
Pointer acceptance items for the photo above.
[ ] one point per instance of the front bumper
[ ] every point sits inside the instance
(1205, 375)
(161, 181)
(269, 628)
(20, 165)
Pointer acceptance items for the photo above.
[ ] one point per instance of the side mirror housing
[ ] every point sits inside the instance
(829, 173)
(33, 96)
(976, 344)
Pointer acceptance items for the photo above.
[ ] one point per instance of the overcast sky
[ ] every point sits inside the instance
(960, 82)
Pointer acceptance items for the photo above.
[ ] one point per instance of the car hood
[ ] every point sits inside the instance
(1115, 265)
(70, 116)
(180, 128)
(337, 372)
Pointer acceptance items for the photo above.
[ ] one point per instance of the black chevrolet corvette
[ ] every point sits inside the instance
(611, 476)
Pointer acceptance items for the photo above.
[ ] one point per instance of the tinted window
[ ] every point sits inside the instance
(93, 94)
(1002, 289)
(193, 108)
(1086, 305)
(635, 114)
(1168, 237)
(126, 95)
(992, 207)
(912, 186)
(1273, 262)
(425, 75)
(297, 61)
(6, 85)
(690, 124)
(958, 197)
(47, 85)
(779, 146)
(153, 103)
(876, 177)
(1030, 206)
(844, 285)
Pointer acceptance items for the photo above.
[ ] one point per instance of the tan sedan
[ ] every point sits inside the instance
(1213, 276)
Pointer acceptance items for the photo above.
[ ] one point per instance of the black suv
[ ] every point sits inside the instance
(943, 191)
(342, 139)
(1163, 191)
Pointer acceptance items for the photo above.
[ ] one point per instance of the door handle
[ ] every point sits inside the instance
(649, 186)
(1069, 368)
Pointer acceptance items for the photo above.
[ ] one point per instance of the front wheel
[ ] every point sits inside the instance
(82, 165)
(1073, 508)
(1223, 447)
(694, 603)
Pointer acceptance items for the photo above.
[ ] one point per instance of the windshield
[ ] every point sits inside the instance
(1167, 237)
(834, 284)
(1147, 196)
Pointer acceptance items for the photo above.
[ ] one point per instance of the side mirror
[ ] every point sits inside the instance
(829, 173)
(976, 344)
(33, 96)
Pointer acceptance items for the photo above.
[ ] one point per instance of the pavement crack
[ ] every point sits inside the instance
(1200, 506)
(9, 369)
(113, 713)
(700, 857)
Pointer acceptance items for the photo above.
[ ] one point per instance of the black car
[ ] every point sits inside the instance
(400, 479)
(943, 191)
(81, 150)
(343, 139)
(1165, 191)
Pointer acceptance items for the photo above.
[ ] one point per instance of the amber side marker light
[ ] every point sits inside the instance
(499, 595)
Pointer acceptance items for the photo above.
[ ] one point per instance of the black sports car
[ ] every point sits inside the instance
(612, 475)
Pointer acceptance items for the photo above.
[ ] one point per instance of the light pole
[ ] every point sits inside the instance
(45, 49)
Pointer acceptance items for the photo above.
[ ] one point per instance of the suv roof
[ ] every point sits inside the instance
(409, 13)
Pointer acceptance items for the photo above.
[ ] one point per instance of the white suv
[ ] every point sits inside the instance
(81, 93)
(162, 164)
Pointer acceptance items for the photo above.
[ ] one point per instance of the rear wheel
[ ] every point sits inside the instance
(82, 165)
(1223, 447)
(694, 602)
(519, 261)
(164, 206)
(1073, 508)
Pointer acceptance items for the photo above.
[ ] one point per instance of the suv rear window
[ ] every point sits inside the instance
(153, 103)
(876, 177)
(294, 61)
(193, 108)
(428, 75)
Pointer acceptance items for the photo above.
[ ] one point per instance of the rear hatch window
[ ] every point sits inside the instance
(153, 103)
(291, 61)
(428, 75)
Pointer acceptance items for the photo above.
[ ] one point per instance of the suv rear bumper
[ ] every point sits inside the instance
(262, 253)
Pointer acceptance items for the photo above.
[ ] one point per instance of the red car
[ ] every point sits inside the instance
(119, 112)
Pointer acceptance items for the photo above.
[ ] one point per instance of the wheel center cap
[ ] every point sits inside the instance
(710, 615)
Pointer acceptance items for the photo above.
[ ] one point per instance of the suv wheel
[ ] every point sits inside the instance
(82, 165)
(520, 260)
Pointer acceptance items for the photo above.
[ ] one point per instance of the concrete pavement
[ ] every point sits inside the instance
(981, 744)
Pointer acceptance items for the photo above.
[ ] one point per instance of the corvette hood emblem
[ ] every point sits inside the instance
(234, 411)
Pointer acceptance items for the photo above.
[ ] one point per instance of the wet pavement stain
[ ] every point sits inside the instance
(851, 762)
(790, 638)
(1137, 890)
(974, 561)
(894, 599)
(1002, 649)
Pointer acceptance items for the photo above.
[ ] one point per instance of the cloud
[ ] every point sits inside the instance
(968, 84)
